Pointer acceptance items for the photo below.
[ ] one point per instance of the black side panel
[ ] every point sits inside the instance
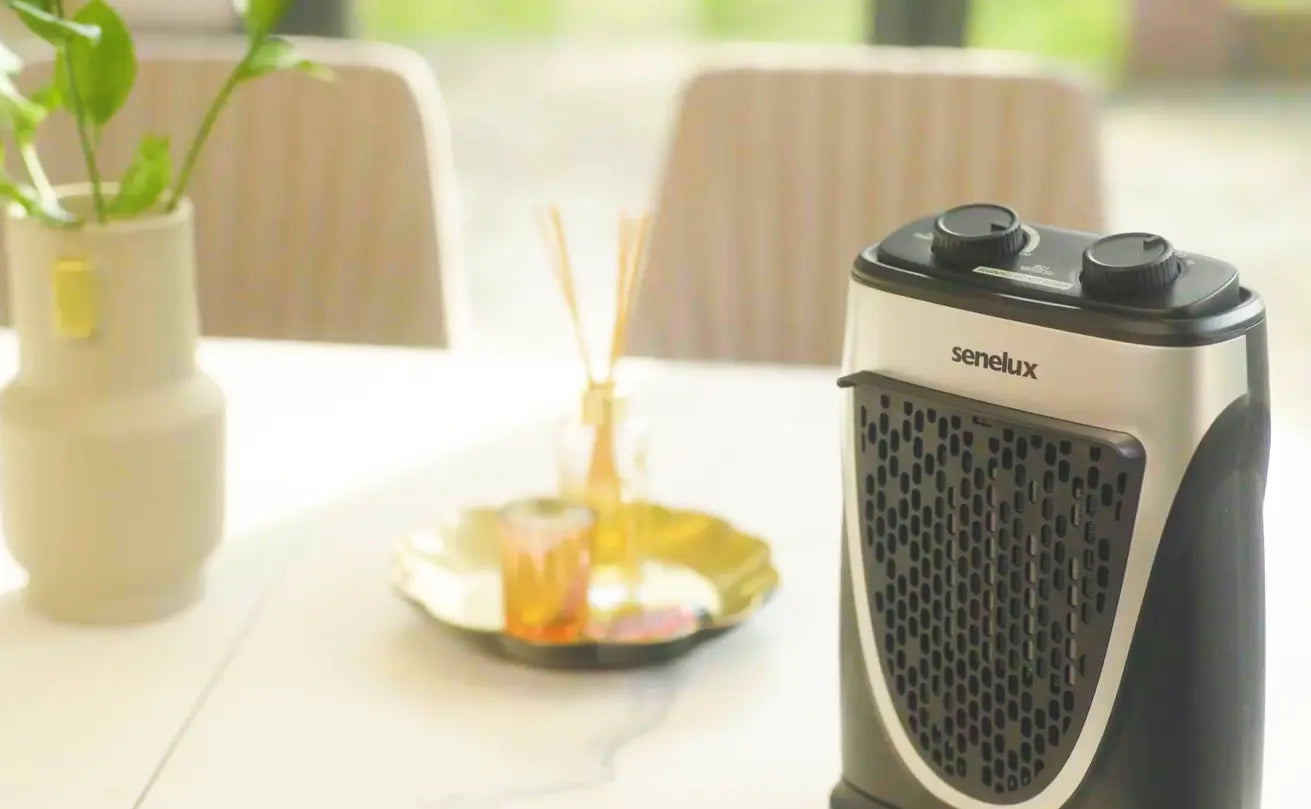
(1187, 726)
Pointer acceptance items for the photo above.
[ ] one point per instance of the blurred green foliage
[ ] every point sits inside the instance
(1087, 32)
(1299, 5)
(782, 20)
(1090, 33)
(415, 19)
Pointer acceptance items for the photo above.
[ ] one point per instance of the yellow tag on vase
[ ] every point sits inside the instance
(73, 294)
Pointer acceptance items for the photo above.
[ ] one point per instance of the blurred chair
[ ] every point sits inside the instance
(785, 164)
(174, 16)
(325, 211)
(179, 15)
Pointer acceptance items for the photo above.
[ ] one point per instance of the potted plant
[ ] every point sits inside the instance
(111, 438)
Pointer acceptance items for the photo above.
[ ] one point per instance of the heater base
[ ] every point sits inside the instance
(844, 796)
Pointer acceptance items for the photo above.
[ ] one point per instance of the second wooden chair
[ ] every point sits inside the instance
(785, 163)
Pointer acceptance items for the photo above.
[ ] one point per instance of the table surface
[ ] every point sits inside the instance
(301, 679)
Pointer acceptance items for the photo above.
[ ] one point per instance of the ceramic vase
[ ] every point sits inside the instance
(111, 438)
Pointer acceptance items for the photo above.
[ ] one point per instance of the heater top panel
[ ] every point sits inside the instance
(1129, 286)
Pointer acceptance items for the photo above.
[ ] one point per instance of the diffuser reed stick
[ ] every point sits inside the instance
(633, 232)
(553, 230)
(618, 541)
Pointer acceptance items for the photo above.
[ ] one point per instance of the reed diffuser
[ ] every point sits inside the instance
(602, 453)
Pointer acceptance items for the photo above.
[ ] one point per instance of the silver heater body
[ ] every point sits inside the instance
(1054, 451)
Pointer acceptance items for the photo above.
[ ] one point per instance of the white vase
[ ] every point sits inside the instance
(111, 439)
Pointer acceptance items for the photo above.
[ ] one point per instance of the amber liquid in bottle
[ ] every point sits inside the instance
(602, 463)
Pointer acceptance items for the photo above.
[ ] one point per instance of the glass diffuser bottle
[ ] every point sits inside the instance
(602, 463)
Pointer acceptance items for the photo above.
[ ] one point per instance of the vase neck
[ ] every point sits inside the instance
(103, 309)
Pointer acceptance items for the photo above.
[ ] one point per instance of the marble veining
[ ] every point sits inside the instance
(651, 695)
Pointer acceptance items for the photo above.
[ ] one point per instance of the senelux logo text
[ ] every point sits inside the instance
(1002, 362)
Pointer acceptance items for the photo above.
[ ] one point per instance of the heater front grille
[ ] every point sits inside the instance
(994, 547)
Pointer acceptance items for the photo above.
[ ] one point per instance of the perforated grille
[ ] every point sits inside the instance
(995, 545)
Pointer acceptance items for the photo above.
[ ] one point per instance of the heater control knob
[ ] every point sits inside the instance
(978, 233)
(1129, 263)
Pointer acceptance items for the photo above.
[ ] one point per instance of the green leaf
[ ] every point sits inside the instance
(276, 54)
(50, 97)
(104, 71)
(146, 179)
(262, 16)
(31, 202)
(42, 21)
(48, 211)
(18, 114)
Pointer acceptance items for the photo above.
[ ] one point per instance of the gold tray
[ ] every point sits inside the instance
(704, 578)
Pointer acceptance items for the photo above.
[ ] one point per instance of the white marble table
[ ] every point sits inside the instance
(302, 680)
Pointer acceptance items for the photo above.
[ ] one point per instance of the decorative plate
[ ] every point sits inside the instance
(703, 577)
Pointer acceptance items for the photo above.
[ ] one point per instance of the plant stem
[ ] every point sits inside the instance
(37, 174)
(207, 128)
(83, 131)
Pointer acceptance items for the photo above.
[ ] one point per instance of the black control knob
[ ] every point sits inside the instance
(1128, 264)
(976, 234)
